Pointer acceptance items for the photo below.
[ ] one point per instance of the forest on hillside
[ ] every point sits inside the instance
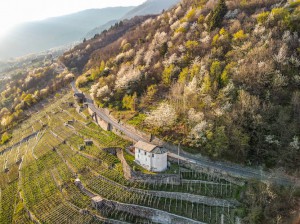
(220, 78)
(24, 89)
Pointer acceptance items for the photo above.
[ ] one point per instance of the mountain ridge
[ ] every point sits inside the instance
(150, 7)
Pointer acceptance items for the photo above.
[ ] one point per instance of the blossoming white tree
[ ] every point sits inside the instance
(164, 116)
(127, 75)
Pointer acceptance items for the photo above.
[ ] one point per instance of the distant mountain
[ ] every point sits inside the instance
(99, 29)
(37, 36)
(150, 7)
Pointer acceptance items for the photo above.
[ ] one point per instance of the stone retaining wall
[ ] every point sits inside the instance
(146, 212)
(189, 197)
(103, 124)
(27, 138)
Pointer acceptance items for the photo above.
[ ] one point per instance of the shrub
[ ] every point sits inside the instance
(263, 17)
(279, 13)
(239, 36)
(5, 138)
(129, 102)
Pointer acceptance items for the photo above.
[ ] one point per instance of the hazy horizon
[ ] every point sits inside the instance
(16, 12)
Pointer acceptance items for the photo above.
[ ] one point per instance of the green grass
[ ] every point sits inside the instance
(173, 169)
(137, 120)
(8, 199)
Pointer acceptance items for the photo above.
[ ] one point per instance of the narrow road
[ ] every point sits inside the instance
(100, 113)
(231, 169)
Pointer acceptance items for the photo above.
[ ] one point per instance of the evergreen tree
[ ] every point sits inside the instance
(216, 17)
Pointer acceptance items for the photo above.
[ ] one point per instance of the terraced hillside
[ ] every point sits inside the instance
(48, 175)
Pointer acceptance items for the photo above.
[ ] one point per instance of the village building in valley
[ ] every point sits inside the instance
(152, 157)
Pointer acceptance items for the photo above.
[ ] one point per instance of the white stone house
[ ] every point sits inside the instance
(151, 157)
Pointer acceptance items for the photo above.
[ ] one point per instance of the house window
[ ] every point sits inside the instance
(139, 151)
(145, 153)
(152, 155)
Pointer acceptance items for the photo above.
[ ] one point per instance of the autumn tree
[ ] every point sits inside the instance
(168, 74)
(129, 102)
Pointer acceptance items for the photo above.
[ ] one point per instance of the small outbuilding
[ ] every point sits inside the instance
(151, 157)
(79, 97)
(77, 182)
(97, 202)
(70, 122)
(88, 142)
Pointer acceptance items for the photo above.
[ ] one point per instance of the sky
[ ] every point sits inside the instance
(13, 12)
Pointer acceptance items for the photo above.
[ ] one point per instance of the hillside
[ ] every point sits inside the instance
(33, 37)
(221, 80)
(217, 78)
(77, 57)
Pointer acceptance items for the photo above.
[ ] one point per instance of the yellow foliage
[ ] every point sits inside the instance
(167, 75)
(181, 30)
(279, 13)
(215, 39)
(190, 14)
(201, 19)
(183, 75)
(240, 35)
(191, 44)
(262, 17)
(223, 32)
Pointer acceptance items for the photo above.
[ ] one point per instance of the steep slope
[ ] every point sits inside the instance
(37, 36)
(76, 58)
(220, 79)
